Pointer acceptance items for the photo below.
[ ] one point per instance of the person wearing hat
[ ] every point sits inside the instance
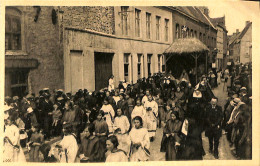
(243, 95)
(213, 130)
(173, 130)
(46, 108)
(30, 120)
(46, 90)
(15, 103)
(236, 102)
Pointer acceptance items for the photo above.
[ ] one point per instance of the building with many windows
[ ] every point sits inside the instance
(80, 47)
(240, 44)
(222, 42)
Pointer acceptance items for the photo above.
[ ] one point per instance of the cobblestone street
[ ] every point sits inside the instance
(224, 149)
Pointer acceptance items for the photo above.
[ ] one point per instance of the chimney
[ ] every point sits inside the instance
(247, 22)
(206, 11)
(237, 31)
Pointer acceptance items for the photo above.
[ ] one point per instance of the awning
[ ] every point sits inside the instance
(21, 63)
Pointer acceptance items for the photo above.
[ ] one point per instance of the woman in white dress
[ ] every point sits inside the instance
(68, 146)
(151, 116)
(109, 114)
(140, 141)
(12, 148)
(114, 154)
(111, 85)
(121, 128)
(138, 110)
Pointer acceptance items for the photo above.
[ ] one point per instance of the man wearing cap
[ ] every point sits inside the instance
(243, 95)
(213, 130)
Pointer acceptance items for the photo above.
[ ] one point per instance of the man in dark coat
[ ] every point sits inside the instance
(47, 108)
(214, 117)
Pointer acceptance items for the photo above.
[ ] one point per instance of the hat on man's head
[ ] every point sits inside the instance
(60, 90)
(29, 96)
(45, 89)
(60, 98)
(15, 98)
(243, 89)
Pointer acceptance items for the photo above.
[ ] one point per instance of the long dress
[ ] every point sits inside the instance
(90, 147)
(138, 111)
(10, 153)
(122, 123)
(116, 98)
(139, 135)
(109, 115)
(70, 149)
(101, 127)
(118, 156)
(172, 126)
(144, 99)
(150, 120)
(131, 104)
(111, 85)
(193, 148)
(161, 111)
(123, 138)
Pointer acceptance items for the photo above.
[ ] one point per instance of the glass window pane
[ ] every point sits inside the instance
(7, 41)
(7, 24)
(126, 69)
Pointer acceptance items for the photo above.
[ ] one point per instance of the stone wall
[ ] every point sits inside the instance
(42, 43)
(97, 18)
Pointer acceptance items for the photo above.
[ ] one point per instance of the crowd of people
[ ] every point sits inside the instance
(118, 123)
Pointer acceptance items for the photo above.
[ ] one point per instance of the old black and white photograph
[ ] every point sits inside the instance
(96, 84)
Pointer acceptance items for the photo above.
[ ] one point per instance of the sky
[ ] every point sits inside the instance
(236, 13)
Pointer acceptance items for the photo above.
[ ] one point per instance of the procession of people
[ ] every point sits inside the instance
(119, 123)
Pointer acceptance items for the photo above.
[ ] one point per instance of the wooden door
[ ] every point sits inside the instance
(103, 69)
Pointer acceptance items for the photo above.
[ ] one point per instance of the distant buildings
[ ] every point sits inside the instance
(240, 44)
(82, 46)
(222, 42)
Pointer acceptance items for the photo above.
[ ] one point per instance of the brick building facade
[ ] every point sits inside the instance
(80, 47)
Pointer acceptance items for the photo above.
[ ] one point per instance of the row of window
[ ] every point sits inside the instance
(183, 32)
(161, 64)
(125, 24)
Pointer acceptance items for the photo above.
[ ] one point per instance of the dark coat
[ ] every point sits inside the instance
(214, 118)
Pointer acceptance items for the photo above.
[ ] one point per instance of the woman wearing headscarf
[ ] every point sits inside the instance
(173, 130)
